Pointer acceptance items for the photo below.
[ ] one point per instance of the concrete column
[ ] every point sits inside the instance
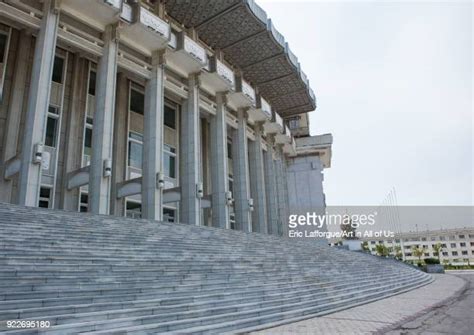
(281, 194)
(241, 174)
(153, 139)
(220, 183)
(15, 110)
(257, 183)
(206, 172)
(69, 199)
(38, 103)
(286, 200)
(270, 190)
(119, 159)
(190, 204)
(102, 132)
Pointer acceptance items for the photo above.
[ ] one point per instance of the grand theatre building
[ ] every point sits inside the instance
(181, 111)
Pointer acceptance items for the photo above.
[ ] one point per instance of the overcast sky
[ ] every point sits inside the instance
(393, 81)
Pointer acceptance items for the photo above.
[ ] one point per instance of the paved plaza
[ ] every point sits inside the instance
(443, 307)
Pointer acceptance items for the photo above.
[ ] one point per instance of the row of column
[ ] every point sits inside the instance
(258, 173)
(102, 137)
(255, 173)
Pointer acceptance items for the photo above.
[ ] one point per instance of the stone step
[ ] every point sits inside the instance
(166, 287)
(169, 304)
(170, 290)
(94, 273)
(246, 326)
(160, 323)
(187, 312)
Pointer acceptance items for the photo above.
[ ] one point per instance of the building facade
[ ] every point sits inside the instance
(457, 245)
(168, 110)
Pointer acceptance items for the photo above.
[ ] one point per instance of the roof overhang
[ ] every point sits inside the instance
(250, 42)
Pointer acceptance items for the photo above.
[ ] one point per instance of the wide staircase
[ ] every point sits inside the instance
(107, 275)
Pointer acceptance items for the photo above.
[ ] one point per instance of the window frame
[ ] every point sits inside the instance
(46, 199)
(173, 155)
(63, 68)
(170, 209)
(3, 68)
(56, 117)
(133, 140)
(129, 201)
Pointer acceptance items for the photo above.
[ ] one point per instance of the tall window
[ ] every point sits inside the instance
(4, 43)
(133, 210)
(3, 46)
(231, 209)
(169, 161)
(231, 183)
(229, 148)
(294, 123)
(92, 80)
(84, 202)
(44, 197)
(137, 102)
(135, 150)
(170, 117)
(87, 142)
(169, 214)
(58, 70)
(52, 127)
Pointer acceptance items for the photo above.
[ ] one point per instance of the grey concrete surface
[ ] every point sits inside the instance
(443, 307)
(455, 316)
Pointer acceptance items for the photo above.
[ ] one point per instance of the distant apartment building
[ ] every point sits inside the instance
(457, 245)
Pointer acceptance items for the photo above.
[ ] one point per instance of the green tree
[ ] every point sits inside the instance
(418, 252)
(365, 246)
(382, 250)
(398, 252)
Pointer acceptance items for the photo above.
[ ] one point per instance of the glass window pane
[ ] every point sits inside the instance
(133, 205)
(88, 139)
(3, 46)
(58, 70)
(166, 164)
(172, 167)
(51, 126)
(134, 209)
(135, 152)
(231, 186)
(169, 148)
(135, 136)
(229, 150)
(170, 117)
(169, 215)
(53, 110)
(45, 192)
(137, 102)
(88, 142)
(169, 163)
(92, 80)
(43, 204)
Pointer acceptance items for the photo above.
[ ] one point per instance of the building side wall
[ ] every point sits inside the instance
(305, 184)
